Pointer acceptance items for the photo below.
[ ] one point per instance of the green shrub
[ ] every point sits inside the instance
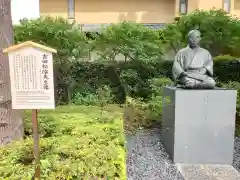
(220, 32)
(236, 86)
(237, 129)
(48, 126)
(157, 84)
(135, 114)
(232, 85)
(227, 68)
(156, 100)
(84, 143)
(88, 99)
(225, 57)
(133, 40)
(149, 112)
(139, 113)
(101, 97)
(104, 95)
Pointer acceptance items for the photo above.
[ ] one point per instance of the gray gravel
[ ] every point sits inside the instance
(236, 156)
(147, 158)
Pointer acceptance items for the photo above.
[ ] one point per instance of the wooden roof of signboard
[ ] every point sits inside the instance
(28, 44)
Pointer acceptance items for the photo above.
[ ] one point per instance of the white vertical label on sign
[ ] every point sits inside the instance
(31, 73)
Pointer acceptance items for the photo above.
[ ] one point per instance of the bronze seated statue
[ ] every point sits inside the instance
(193, 65)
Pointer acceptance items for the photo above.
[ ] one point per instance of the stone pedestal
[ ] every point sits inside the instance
(199, 125)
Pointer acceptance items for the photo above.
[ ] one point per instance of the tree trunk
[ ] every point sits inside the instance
(11, 127)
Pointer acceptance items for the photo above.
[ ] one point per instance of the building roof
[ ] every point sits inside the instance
(28, 44)
(98, 27)
(155, 26)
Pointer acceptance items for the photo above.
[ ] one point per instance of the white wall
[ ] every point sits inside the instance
(24, 9)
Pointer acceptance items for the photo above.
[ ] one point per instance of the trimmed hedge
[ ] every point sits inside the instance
(136, 75)
(227, 68)
(76, 143)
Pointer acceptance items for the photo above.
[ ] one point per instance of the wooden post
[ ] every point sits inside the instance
(36, 144)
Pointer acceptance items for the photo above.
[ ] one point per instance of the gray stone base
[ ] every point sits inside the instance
(199, 125)
(208, 172)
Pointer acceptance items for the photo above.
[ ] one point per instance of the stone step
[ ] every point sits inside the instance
(208, 172)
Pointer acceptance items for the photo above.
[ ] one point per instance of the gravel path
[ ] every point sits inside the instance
(147, 158)
(236, 156)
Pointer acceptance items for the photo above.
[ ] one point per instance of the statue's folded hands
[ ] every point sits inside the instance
(203, 70)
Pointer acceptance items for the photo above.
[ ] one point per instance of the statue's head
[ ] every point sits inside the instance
(194, 38)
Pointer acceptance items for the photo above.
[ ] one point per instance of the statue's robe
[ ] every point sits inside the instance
(192, 61)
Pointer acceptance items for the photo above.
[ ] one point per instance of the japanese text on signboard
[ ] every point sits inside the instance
(45, 72)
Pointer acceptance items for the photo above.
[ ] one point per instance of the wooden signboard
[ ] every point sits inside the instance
(31, 76)
(31, 79)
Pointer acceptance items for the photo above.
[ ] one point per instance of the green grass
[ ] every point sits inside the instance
(77, 142)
